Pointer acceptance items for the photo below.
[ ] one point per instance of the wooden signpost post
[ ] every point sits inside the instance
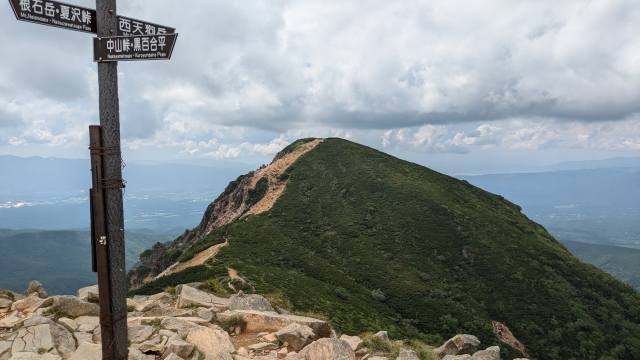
(118, 39)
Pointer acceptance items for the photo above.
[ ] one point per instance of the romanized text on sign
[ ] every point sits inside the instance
(131, 48)
(54, 13)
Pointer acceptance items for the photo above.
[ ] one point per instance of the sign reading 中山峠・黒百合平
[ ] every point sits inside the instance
(134, 47)
(73, 17)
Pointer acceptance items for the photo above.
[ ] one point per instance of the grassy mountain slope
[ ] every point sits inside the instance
(598, 231)
(623, 263)
(379, 243)
(60, 260)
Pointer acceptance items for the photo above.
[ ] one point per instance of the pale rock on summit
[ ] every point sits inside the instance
(327, 348)
(242, 301)
(458, 345)
(297, 335)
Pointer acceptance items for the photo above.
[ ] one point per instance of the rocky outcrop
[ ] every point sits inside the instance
(407, 355)
(327, 348)
(353, 341)
(36, 287)
(89, 293)
(72, 306)
(190, 296)
(210, 341)
(258, 321)
(296, 335)
(458, 345)
(243, 301)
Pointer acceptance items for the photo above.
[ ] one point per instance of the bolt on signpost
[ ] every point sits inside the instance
(118, 39)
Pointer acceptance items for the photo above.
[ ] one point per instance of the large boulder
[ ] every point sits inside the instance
(180, 325)
(42, 333)
(298, 336)
(268, 321)
(138, 334)
(458, 345)
(407, 355)
(89, 293)
(210, 341)
(353, 341)
(34, 356)
(180, 348)
(382, 335)
(87, 351)
(22, 305)
(327, 348)
(190, 296)
(36, 287)
(241, 301)
(11, 321)
(5, 303)
(74, 307)
(492, 353)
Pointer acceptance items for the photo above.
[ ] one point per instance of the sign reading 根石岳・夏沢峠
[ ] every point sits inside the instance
(73, 17)
(131, 48)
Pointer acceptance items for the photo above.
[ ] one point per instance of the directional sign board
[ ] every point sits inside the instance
(56, 14)
(72, 17)
(134, 47)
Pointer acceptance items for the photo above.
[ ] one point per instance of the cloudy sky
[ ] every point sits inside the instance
(468, 82)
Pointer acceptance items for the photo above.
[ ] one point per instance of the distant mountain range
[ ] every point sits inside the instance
(60, 260)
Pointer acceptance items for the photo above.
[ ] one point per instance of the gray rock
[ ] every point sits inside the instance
(75, 307)
(382, 335)
(377, 358)
(164, 311)
(5, 303)
(89, 293)
(42, 333)
(457, 357)
(263, 346)
(180, 348)
(210, 341)
(205, 314)
(258, 321)
(221, 356)
(190, 296)
(179, 325)
(87, 324)
(36, 287)
(12, 321)
(492, 353)
(354, 341)
(83, 337)
(243, 301)
(26, 303)
(173, 357)
(298, 336)
(35, 356)
(407, 355)
(458, 345)
(5, 349)
(327, 348)
(71, 324)
(138, 334)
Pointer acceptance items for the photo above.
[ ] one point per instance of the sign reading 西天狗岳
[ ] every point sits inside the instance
(56, 14)
(134, 47)
(72, 17)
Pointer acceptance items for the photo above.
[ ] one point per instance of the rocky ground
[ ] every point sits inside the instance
(190, 325)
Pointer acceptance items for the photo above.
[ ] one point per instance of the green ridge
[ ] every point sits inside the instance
(375, 243)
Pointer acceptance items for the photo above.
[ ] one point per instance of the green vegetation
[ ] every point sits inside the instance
(622, 263)
(201, 245)
(7, 294)
(257, 193)
(60, 260)
(447, 257)
(380, 347)
(215, 287)
(233, 323)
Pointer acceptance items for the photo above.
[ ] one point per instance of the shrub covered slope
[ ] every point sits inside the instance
(375, 242)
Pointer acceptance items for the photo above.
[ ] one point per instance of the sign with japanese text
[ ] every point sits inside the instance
(54, 13)
(134, 47)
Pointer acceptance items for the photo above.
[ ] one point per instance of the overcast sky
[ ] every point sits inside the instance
(451, 81)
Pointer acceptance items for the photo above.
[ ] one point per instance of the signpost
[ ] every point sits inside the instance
(118, 39)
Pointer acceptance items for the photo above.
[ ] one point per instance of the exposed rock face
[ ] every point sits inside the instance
(327, 348)
(243, 301)
(382, 335)
(24, 304)
(258, 321)
(297, 335)
(407, 355)
(210, 341)
(353, 341)
(492, 353)
(89, 293)
(458, 345)
(190, 296)
(74, 307)
(41, 333)
(87, 351)
(36, 287)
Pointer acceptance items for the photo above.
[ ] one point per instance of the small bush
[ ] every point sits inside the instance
(8, 294)
(390, 349)
(131, 308)
(215, 287)
(378, 295)
(233, 323)
(279, 301)
(155, 324)
(170, 290)
(342, 293)
(54, 313)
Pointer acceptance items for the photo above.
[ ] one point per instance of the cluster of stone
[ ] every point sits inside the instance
(184, 326)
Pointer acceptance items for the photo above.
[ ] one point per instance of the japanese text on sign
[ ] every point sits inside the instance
(55, 14)
(145, 47)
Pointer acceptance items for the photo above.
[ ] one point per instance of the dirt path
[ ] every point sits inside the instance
(198, 259)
